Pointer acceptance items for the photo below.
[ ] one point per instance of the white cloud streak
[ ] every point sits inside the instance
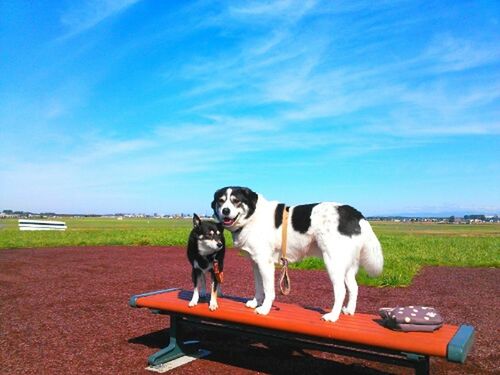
(89, 13)
(304, 72)
(295, 76)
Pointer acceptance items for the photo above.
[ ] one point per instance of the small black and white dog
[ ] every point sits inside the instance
(337, 233)
(205, 251)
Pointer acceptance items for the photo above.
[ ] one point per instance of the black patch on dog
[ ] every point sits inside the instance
(219, 193)
(349, 219)
(244, 194)
(248, 197)
(278, 214)
(195, 275)
(301, 217)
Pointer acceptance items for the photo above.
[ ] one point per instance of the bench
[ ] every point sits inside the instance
(360, 335)
(26, 224)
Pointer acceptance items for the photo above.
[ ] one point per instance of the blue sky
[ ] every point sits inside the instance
(150, 106)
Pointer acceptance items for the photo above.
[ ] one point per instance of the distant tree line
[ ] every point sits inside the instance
(475, 217)
(450, 219)
(440, 219)
(25, 213)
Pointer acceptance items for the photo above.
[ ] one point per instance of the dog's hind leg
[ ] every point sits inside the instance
(259, 288)
(352, 290)
(336, 271)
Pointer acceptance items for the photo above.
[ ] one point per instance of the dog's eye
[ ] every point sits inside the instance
(221, 200)
(236, 201)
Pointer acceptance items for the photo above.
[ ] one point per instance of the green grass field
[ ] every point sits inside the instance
(407, 246)
(99, 231)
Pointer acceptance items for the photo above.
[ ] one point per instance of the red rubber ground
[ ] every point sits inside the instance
(65, 311)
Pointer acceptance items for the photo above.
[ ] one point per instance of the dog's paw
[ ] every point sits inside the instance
(252, 303)
(347, 310)
(192, 303)
(263, 310)
(213, 306)
(330, 317)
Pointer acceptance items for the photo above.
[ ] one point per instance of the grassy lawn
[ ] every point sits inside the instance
(407, 246)
(99, 231)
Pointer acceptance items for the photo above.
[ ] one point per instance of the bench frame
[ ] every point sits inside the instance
(458, 347)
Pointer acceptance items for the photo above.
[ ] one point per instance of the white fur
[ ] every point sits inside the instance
(207, 247)
(342, 254)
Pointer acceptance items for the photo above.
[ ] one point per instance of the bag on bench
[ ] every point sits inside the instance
(411, 318)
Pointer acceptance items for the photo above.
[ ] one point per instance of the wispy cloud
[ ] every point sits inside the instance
(261, 11)
(447, 53)
(89, 13)
(304, 76)
(201, 86)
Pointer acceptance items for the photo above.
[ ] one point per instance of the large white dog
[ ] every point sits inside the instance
(338, 233)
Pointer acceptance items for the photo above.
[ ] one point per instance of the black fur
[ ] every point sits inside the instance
(278, 214)
(203, 228)
(244, 195)
(349, 219)
(301, 217)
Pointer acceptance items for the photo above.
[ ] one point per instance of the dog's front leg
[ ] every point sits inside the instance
(259, 289)
(213, 294)
(266, 269)
(197, 279)
(203, 285)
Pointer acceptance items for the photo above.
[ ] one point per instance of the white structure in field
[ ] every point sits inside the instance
(25, 224)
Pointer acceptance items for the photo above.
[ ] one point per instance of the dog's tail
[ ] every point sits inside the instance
(371, 257)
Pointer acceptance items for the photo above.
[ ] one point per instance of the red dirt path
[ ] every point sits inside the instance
(65, 311)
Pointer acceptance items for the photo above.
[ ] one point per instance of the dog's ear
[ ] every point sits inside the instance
(216, 196)
(196, 221)
(252, 198)
(251, 195)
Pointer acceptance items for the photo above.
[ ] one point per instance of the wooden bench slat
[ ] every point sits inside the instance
(360, 329)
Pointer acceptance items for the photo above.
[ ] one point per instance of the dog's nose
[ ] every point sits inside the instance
(219, 245)
(226, 211)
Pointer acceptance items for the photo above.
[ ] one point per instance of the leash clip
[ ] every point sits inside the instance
(284, 278)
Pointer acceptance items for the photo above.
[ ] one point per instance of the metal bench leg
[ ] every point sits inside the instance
(174, 350)
(422, 366)
(421, 363)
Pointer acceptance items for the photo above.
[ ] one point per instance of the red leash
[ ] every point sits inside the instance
(219, 275)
